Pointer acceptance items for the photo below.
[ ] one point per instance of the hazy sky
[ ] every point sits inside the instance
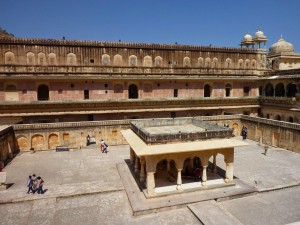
(195, 22)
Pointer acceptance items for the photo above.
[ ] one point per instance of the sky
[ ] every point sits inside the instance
(192, 22)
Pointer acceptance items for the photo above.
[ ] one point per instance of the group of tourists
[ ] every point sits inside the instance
(35, 184)
(244, 132)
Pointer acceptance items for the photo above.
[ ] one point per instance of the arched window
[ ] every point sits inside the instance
(43, 93)
(241, 64)
(200, 62)
(41, 59)
(158, 61)
(253, 63)
(207, 90)
(186, 62)
(291, 90)
(9, 58)
(268, 116)
(214, 63)
(207, 62)
(71, 59)
(279, 90)
(118, 60)
(30, 58)
(278, 117)
(228, 89)
(228, 63)
(269, 91)
(105, 59)
(147, 61)
(133, 91)
(132, 60)
(52, 59)
(247, 63)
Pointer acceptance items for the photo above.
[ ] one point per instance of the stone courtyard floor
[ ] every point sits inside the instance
(85, 187)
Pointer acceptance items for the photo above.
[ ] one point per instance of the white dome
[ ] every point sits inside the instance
(281, 46)
(247, 37)
(259, 34)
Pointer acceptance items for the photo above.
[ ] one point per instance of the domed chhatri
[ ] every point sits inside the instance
(281, 46)
(259, 37)
(247, 41)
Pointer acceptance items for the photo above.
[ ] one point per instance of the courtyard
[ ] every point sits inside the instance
(86, 187)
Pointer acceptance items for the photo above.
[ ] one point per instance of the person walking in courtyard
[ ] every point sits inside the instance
(30, 185)
(35, 184)
(103, 146)
(40, 185)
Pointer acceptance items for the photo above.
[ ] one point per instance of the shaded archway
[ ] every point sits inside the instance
(43, 93)
(228, 89)
(279, 90)
(207, 90)
(166, 173)
(133, 91)
(291, 90)
(269, 91)
(291, 119)
(22, 143)
(37, 142)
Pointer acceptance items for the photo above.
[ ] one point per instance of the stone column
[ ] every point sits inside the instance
(229, 159)
(136, 167)
(150, 183)
(142, 172)
(204, 175)
(179, 180)
(132, 157)
(204, 172)
(229, 173)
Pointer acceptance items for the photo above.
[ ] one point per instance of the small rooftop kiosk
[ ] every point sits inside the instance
(166, 152)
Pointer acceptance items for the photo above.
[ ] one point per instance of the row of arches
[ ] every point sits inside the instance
(280, 90)
(39, 142)
(117, 60)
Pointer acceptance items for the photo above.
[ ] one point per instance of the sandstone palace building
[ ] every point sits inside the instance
(44, 81)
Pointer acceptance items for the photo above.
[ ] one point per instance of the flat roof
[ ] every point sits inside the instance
(142, 149)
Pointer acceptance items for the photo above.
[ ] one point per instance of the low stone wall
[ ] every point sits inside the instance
(73, 135)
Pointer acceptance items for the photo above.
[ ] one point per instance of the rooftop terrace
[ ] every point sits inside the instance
(158, 131)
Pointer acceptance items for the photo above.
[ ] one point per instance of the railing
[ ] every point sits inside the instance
(277, 123)
(70, 124)
(62, 42)
(277, 101)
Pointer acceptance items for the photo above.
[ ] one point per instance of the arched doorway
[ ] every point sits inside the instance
(133, 91)
(235, 128)
(228, 88)
(279, 90)
(207, 90)
(291, 90)
(166, 173)
(43, 93)
(269, 91)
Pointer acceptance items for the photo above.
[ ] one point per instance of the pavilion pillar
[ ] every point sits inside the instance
(150, 183)
(204, 172)
(142, 172)
(179, 180)
(229, 159)
(132, 157)
(136, 166)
